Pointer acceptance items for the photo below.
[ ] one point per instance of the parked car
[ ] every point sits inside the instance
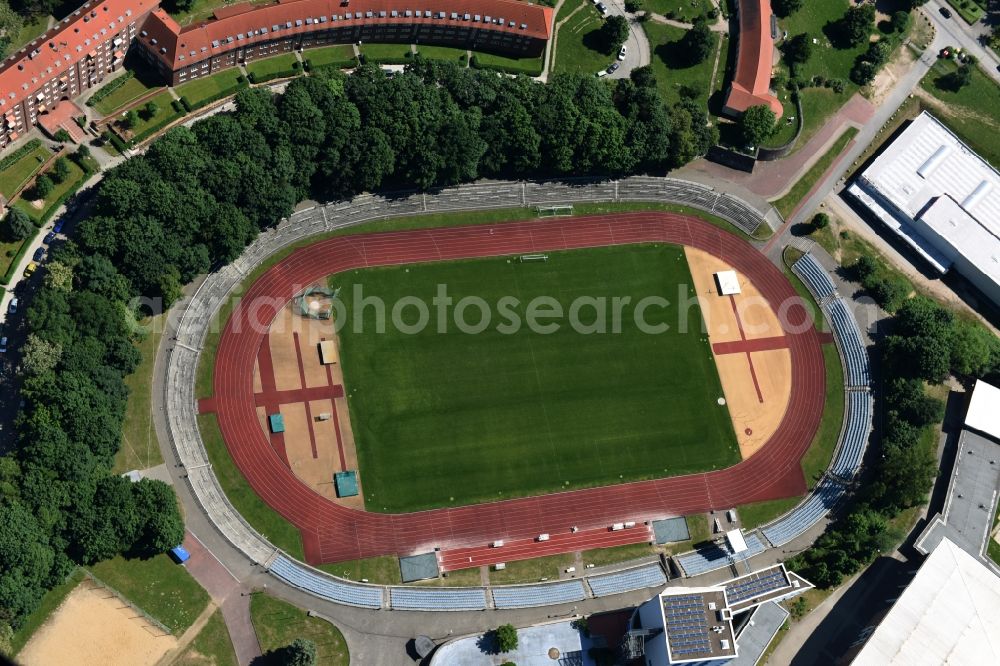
(602, 8)
(621, 52)
(30, 269)
(39, 254)
(945, 12)
(49, 237)
(601, 73)
(57, 227)
(3, 344)
(613, 67)
(12, 308)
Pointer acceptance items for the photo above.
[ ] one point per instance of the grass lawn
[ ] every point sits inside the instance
(264, 519)
(970, 112)
(671, 72)
(207, 87)
(818, 20)
(158, 586)
(442, 53)
(8, 251)
(820, 451)
(274, 67)
(458, 578)
(23, 170)
(680, 10)
(391, 52)
(31, 28)
(50, 601)
(165, 114)
(203, 9)
(341, 55)
(211, 647)
(759, 513)
(140, 448)
(603, 556)
(578, 43)
(39, 212)
(967, 9)
(278, 623)
(527, 413)
(383, 570)
(131, 90)
(526, 66)
(787, 204)
(532, 571)
(993, 548)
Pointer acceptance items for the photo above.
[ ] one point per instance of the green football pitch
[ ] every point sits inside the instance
(453, 418)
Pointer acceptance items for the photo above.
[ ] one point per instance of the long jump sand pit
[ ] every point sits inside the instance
(92, 626)
(317, 439)
(753, 360)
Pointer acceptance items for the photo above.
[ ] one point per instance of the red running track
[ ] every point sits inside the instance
(332, 533)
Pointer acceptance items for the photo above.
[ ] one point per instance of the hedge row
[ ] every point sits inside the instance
(19, 153)
(25, 244)
(506, 69)
(282, 74)
(110, 88)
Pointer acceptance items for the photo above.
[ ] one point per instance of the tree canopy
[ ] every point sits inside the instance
(757, 124)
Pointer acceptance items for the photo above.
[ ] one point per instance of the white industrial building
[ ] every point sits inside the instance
(948, 614)
(941, 198)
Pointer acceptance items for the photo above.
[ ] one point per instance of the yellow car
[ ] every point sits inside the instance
(30, 268)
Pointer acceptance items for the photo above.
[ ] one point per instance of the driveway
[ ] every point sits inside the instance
(637, 54)
(956, 32)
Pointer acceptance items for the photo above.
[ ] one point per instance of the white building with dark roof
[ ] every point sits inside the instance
(940, 198)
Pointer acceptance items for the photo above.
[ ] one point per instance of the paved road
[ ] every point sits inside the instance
(956, 32)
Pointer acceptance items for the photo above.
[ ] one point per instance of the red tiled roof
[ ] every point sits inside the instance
(49, 56)
(241, 25)
(751, 84)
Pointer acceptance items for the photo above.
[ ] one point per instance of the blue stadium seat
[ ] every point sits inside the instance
(437, 599)
(859, 424)
(527, 596)
(715, 557)
(851, 344)
(814, 276)
(624, 581)
(352, 594)
(807, 514)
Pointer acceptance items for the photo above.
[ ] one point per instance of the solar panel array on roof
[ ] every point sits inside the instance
(687, 629)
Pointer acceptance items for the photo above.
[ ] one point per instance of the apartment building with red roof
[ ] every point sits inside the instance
(246, 32)
(751, 85)
(70, 58)
(84, 48)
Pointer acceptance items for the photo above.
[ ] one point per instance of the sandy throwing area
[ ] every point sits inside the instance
(92, 626)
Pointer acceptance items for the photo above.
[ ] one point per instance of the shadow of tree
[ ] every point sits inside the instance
(594, 41)
(488, 643)
(674, 55)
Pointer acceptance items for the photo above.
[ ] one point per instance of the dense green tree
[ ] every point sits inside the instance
(26, 563)
(900, 21)
(301, 652)
(43, 187)
(857, 24)
(613, 33)
(39, 356)
(797, 50)
(506, 636)
(757, 124)
(60, 170)
(785, 8)
(16, 225)
(697, 43)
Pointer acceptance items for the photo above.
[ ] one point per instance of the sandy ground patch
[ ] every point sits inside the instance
(755, 313)
(92, 626)
(292, 340)
(755, 416)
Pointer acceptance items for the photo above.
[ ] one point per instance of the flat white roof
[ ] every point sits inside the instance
(736, 541)
(949, 614)
(984, 409)
(728, 282)
(931, 176)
